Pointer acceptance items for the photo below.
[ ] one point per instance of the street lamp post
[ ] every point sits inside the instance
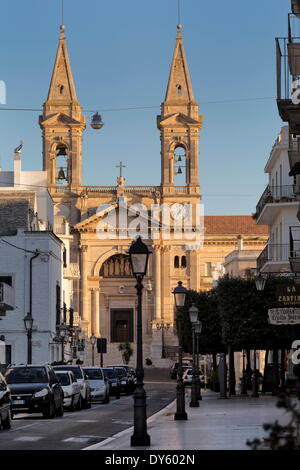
(193, 312)
(28, 322)
(179, 296)
(62, 333)
(198, 329)
(138, 255)
(93, 340)
(162, 326)
(244, 386)
(254, 384)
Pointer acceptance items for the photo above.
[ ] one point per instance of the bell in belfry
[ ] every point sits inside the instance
(61, 174)
(179, 158)
(61, 151)
(179, 172)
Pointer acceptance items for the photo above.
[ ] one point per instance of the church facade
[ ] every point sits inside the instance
(98, 223)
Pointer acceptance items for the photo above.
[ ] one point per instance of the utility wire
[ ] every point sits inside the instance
(238, 100)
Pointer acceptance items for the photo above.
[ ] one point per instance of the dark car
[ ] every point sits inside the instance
(126, 380)
(113, 381)
(82, 379)
(35, 389)
(131, 374)
(5, 404)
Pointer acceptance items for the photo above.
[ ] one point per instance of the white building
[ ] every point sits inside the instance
(26, 222)
(278, 208)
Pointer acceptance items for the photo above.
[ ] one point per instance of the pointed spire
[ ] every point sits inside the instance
(179, 86)
(62, 88)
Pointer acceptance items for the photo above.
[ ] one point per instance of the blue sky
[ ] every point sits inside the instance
(120, 56)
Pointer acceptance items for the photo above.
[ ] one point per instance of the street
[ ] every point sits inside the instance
(79, 429)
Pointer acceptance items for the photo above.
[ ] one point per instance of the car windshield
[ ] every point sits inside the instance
(94, 374)
(76, 371)
(64, 379)
(19, 375)
(121, 372)
(110, 373)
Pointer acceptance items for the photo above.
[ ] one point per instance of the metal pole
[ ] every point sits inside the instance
(194, 402)
(29, 346)
(63, 350)
(163, 353)
(93, 357)
(140, 436)
(223, 376)
(244, 388)
(254, 385)
(180, 391)
(199, 396)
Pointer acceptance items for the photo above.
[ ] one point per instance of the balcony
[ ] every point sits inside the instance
(72, 271)
(6, 298)
(275, 195)
(288, 71)
(275, 258)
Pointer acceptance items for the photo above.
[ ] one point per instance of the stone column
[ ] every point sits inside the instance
(96, 317)
(157, 280)
(84, 304)
(194, 266)
(165, 284)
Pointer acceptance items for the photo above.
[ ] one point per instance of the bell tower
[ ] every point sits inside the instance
(62, 124)
(179, 124)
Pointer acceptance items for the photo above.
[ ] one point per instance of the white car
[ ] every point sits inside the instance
(98, 383)
(188, 375)
(71, 389)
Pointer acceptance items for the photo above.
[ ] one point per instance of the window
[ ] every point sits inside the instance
(183, 261)
(176, 262)
(6, 279)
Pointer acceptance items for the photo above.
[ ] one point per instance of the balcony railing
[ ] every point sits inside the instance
(275, 194)
(278, 253)
(6, 297)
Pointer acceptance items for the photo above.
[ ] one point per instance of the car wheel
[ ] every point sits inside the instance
(88, 403)
(60, 410)
(50, 412)
(79, 404)
(6, 423)
(106, 399)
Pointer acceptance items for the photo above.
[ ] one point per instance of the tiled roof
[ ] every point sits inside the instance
(233, 224)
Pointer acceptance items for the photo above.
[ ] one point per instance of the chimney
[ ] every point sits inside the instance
(240, 242)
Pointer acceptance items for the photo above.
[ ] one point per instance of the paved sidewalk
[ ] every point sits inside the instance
(215, 425)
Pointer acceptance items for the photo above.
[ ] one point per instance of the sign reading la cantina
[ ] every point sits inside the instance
(288, 306)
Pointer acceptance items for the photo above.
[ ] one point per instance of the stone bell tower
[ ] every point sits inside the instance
(179, 124)
(62, 124)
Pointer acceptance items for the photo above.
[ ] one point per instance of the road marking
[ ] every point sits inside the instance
(76, 439)
(117, 421)
(23, 427)
(86, 421)
(29, 438)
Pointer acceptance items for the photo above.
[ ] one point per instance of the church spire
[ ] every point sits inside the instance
(62, 123)
(179, 90)
(62, 92)
(179, 124)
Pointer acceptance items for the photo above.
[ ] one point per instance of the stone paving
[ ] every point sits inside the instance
(216, 425)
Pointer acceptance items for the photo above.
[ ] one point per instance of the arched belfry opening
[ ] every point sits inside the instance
(61, 165)
(180, 166)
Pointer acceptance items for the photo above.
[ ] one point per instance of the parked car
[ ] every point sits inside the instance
(98, 383)
(188, 375)
(71, 389)
(113, 381)
(131, 373)
(127, 384)
(81, 377)
(5, 404)
(35, 389)
(174, 369)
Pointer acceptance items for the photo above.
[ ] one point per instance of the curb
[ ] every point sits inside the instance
(129, 430)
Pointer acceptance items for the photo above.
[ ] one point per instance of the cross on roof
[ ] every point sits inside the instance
(121, 166)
